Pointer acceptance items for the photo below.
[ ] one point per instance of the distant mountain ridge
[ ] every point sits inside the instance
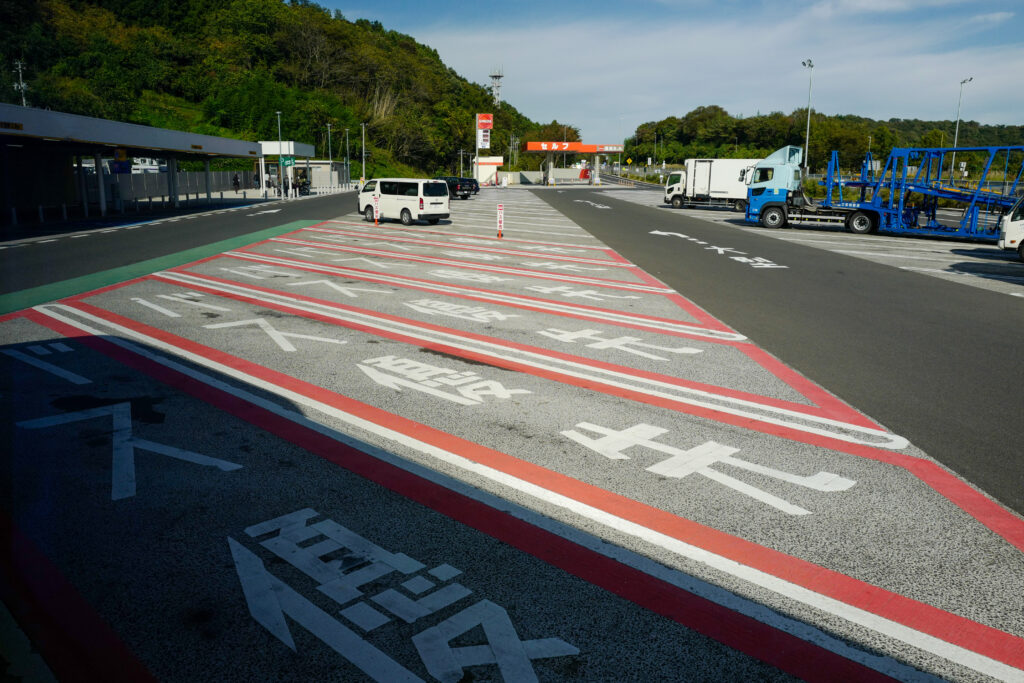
(224, 67)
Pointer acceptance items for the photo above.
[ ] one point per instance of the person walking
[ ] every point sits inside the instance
(287, 187)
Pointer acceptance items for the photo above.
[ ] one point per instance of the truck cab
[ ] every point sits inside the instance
(774, 182)
(1011, 229)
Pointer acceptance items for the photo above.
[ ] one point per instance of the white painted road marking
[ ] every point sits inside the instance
(856, 615)
(122, 478)
(47, 367)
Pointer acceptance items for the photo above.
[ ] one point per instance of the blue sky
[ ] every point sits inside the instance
(608, 66)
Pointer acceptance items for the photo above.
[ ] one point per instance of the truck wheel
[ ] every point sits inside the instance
(677, 202)
(368, 214)
(740, 205)
(773, 217)
(406, 217)
(860, 223)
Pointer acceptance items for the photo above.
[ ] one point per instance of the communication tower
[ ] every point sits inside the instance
(496, 76)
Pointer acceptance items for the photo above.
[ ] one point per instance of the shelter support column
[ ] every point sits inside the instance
(83, 189)
(172, 181)
(206, 172)
(595, 171)
(549, 169)
(101, 190)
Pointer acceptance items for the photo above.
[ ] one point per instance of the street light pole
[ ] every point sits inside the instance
(956, 133)
(807, 137)
(348, 164)
(280, 161)
(363, 176)
(330, 156)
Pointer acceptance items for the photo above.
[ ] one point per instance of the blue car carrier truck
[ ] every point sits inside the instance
(909, 196)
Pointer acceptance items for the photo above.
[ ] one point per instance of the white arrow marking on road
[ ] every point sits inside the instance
(277, 336)
(122, 478)
(397, 383)
(593, 204)
(347, 291)
(660, 232)
(262, 212)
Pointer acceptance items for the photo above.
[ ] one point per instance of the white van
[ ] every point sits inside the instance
(407, 199)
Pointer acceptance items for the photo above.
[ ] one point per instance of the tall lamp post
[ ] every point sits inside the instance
(280, 161)
(330, 156)
(807, 136)
(363, 176)
(348, 164)
(956, 133)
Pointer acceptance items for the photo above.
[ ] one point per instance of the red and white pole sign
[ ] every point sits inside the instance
(501, 218)
(376, 210)
(484, 121)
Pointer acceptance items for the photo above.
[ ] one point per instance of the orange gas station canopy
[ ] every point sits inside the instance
(571, 147)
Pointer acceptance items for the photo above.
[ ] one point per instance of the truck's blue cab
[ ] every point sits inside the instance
(773, 181)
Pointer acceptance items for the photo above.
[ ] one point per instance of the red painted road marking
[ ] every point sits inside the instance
(249, 296)
(755, 638)
(77, 644)
(920, 617)
(465, 247)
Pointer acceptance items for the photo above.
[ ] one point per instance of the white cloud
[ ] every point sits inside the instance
(608, 76)
(993, 18)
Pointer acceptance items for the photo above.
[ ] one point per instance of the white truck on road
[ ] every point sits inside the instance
(1011, 229)
(710, 182)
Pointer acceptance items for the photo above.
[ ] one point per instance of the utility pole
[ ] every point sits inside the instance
(280, 161)
(330, 155)
(807, 140)
(363, 176)
(348, 165)
(20, 85)
(460, 162)
(956, 134)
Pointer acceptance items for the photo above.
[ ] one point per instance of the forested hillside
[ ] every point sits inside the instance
(224, 67)
(710, 132)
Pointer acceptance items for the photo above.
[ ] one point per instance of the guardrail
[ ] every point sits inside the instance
(629, 182)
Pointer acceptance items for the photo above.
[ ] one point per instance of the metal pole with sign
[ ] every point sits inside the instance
(280, 167)
(376, 210)
(501, 218)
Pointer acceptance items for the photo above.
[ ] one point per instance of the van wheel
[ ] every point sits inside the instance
(860, 223)
(433, 221)
(368, 214)
(677, 202)
(773, 217)
(406, 217)
(740, 205)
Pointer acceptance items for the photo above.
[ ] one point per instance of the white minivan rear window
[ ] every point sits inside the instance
(435, 189)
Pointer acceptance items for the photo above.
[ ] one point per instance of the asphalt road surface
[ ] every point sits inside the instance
(936, 361)
(283, 443)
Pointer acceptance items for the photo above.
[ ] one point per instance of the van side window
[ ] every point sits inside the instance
(388, 187)
(763, 175)
(408, 189)
(370, 186)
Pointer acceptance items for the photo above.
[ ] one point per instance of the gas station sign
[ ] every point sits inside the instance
(484, 121)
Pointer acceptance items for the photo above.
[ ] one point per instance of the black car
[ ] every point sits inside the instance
(457, 187)
(473, 184)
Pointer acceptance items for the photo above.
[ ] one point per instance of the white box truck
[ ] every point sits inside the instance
(710, 182)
